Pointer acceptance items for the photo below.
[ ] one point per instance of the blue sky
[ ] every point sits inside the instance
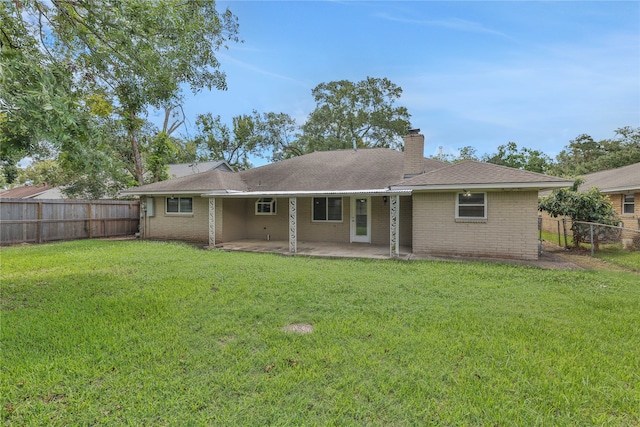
(473, 73)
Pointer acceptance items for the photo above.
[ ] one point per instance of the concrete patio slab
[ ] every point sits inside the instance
(320, 249)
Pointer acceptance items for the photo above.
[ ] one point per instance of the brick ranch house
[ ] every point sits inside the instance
(622, 185)
(373, 196)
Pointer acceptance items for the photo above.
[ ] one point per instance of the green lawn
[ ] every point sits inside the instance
(616, 255)
(145, 333)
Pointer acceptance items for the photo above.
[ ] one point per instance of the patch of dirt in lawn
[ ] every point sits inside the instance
(299, 328)
(579, 259)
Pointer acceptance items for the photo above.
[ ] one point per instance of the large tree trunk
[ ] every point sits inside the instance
(135, 148)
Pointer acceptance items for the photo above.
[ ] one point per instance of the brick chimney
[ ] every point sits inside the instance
(413, 153)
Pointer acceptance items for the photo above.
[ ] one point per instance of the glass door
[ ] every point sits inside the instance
(360, 219)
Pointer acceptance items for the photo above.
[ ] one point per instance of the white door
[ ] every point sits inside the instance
(361, 219)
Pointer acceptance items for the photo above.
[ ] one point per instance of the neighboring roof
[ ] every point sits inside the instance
(191, 184)
(626, 178)
(24, 192)
(472, 174)
(178, 170)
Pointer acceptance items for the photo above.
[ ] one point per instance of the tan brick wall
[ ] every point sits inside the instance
(194, 226)
(380, 221)
(231, 220)
(309, 231)
(510, 230)
(629, 220)
(276, 226)
(413, 154)
(236, 220)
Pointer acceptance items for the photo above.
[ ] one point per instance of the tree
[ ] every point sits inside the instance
(586, 206)
(525, 159)
(216, 141)
(43, 172)
(141, 52)
(38, 100)
(584, 155)
(278, 136)
(359, 114)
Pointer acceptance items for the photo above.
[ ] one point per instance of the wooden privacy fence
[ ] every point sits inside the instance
(37, 221)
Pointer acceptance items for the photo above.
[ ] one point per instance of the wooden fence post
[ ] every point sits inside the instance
(90, 222)
(39, 224)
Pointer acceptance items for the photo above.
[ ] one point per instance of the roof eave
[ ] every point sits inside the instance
(365, 192)
(163, 192)
(486, 186)
(620, 189)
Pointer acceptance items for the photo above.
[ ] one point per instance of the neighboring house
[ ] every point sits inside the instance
(44, 191)
(177, 170)
(622, 185)
(370, 196)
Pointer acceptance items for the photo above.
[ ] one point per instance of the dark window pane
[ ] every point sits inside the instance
(335, 208)
(628, 205)
(186, 204)
(172, 204)
(319, 209)
(471, 211)
(471, 199)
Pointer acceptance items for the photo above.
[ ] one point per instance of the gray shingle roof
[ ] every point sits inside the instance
(372, 168)
(197, 183)
(348, 170)
(624, 178)
(470, 172)
(178, 170)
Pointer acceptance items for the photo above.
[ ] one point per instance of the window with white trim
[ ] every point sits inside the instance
(266, 206)
(471, 205)
(179, 205)
(628, 204)
(327, 209)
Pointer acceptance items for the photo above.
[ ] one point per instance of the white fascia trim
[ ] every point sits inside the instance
(635, 188)
(162, 193)
(488, 186)
(373, 192)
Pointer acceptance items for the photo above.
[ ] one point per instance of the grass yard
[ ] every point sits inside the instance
(619, 256)
(147, 333)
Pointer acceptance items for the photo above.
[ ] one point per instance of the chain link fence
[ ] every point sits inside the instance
(588, 235)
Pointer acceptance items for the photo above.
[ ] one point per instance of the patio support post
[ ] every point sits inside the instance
(212, 222)
(293, 225)
(394, 225)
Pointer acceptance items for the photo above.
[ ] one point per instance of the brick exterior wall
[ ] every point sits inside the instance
(413, 154)
(236, 220)
(629, 220)
(510, 230)
(191, 227)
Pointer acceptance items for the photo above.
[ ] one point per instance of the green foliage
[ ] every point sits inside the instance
(150, 333)
(525, 158)
(43, 172)
(359, 114)
(584, 155)
(67, 57)
(584, 206)
(39, 100)
(160, 152)
(216, 141)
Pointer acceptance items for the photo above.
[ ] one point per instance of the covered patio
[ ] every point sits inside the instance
(319, 249)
